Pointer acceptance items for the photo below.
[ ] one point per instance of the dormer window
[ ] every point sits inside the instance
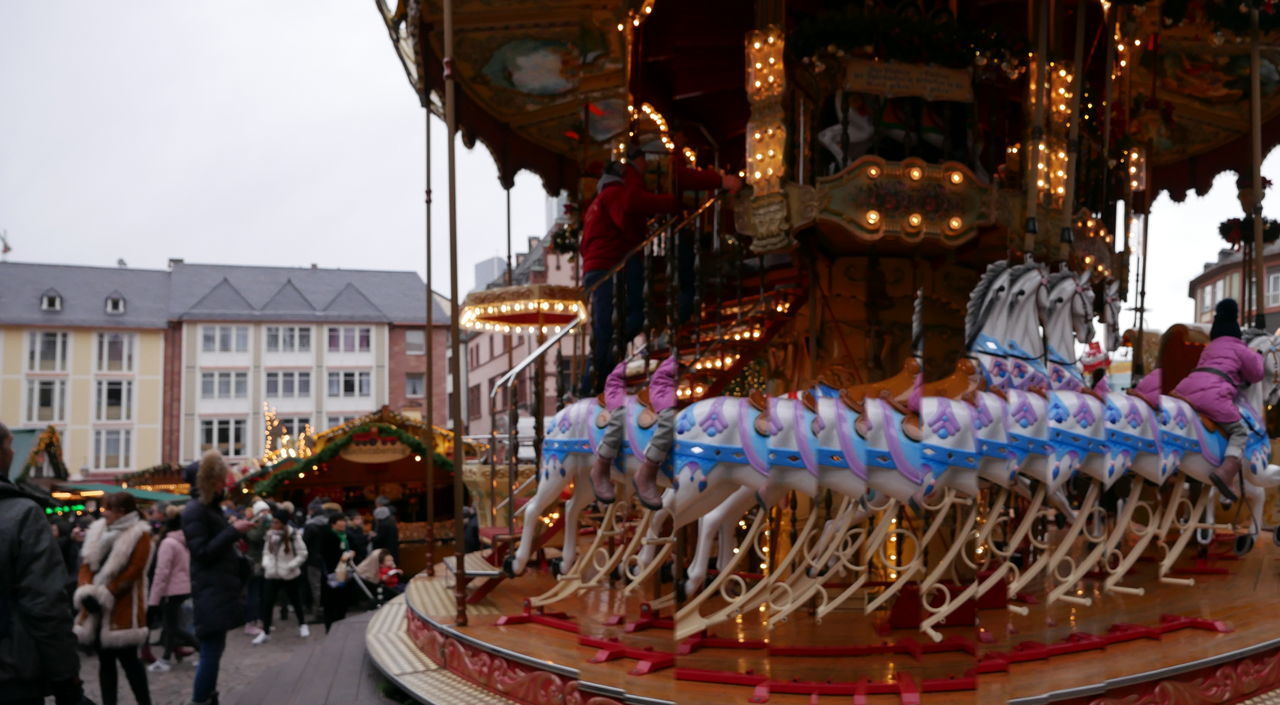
(115, 304)
(51, 301)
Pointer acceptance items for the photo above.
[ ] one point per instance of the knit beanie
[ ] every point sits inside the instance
(381, 513)
(1226, 320)
(260, 506)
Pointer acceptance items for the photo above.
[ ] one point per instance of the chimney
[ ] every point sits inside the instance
(314, 265)
(174, 261)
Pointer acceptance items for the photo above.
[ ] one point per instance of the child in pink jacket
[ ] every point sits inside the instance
(1226, 366)
(170, 587)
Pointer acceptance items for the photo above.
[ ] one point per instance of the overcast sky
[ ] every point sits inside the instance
(281, 133)
(229, 132)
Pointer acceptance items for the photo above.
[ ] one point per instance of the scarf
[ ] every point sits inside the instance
(342, 538)
(102, 548)
(276, 538)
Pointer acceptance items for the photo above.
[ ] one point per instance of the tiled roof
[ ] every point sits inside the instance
(84, 292)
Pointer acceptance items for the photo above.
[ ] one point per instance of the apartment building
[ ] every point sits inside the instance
(1223, 278)
(316, 346)
(82, 349)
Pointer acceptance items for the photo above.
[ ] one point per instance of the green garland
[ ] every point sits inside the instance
(276, 474)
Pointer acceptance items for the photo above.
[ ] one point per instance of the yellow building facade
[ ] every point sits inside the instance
(82, 349)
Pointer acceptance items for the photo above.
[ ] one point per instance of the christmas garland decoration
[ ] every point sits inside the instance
(1238, 230)
(270, 478)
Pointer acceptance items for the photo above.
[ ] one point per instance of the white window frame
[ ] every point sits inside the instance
(51, 302)
(339, 419)
(1273, 288)
(124, 456)
(35, 340)
(290, 381)
(212, 383)
(349, 339)
(294, 425)
(224, 339)
(59, 387)
(236, 429)
(101, 388)
(360, 381)
(418, 348)
(422, 385)
(104, 340)
(288, 339)
(115, 305)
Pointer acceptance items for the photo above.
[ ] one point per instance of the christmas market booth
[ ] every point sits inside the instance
(383, 454)
(37, 459)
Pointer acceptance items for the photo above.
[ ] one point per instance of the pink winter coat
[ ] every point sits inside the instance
(1149, 387)
(615, 388)
(662, 386)
(173, 568)
(1212, 395)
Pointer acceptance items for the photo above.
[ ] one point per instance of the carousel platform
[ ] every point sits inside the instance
(1216, 642)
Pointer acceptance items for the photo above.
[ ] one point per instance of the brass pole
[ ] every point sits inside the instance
(455, 364)
(1073, 134)
(1255, 120)
(430, 351)
(1038, 95)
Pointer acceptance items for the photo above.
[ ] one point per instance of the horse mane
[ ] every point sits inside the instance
(1056, 278)
(1250, 334)
(976, 314)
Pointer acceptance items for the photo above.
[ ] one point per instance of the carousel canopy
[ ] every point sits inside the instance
(545, 84)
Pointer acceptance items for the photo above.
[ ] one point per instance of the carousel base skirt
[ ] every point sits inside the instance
(1216, 642)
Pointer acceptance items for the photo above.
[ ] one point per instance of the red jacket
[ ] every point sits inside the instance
(615, 220)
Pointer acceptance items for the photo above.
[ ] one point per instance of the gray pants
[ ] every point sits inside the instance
(614, 433)
(1238, 435)
(664, 436)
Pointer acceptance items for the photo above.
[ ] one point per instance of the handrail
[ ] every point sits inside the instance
(656, 231)
(511, 374)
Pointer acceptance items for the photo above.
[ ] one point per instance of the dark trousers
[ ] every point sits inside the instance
(335, 602)
(136, 674)
(253, 598)
(291, 588)
(206, 681)
(173, 635)
(601, 360)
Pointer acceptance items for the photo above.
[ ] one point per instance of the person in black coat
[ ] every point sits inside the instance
(37, 647)
(335, 549)
(356, 537)
(218, 571)
(386, 534)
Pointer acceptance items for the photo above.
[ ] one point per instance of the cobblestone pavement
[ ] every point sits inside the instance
(242, 665)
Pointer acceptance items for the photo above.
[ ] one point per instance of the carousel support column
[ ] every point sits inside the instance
(430, 363)
(1142, 282)
(455, 363)
(1109, 211)
(513, 441)
(1255, 125)
(1038, 96)
(1073, 134)
(539, 412)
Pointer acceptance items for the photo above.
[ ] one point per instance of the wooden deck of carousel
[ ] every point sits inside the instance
(1224, 649)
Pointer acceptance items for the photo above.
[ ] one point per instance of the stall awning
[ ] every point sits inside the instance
(93, 488)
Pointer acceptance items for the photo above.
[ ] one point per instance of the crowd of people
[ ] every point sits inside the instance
(178, 577)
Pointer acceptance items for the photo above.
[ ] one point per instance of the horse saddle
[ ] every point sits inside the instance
(894, 387)
(1155, 406)
(1208, 423)
(647, 416)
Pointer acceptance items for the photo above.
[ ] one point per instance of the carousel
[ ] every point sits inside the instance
(893, 469)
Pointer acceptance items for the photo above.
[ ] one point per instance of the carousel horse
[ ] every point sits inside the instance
(568, 451)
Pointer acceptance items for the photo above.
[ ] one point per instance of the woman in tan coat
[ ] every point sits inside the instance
(112, 594)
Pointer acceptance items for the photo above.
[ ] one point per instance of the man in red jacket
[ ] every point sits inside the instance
(613, 226)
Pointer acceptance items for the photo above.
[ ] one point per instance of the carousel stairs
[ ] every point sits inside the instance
(738, 314)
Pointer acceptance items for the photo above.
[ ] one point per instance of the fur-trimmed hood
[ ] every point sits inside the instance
(113, 572)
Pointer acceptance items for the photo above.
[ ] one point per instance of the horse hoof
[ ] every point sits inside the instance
(667, 572)
(1204, 536)
(1244, 544)
(556, 565)
(509, 566)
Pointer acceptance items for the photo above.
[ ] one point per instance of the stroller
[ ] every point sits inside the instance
(366, 576)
